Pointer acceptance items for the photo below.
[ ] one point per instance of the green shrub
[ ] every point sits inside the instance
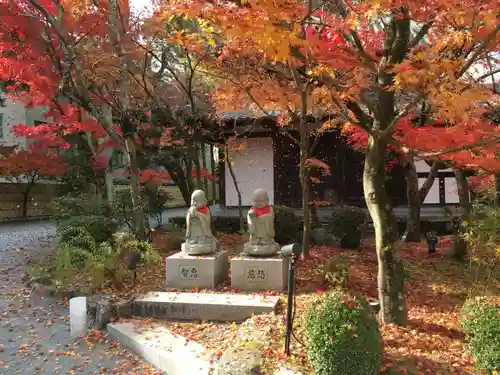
(64, 263)
(481, 324)
(78, 237)
(335, 270)
(348, 225)
(155, 199)
(78, 244)
(104, 264)
(99, 266)
(127, 243)
(85, 212)
(342, 336)
(287, 225)
(77, 205)
(101, 228)
(482, 233)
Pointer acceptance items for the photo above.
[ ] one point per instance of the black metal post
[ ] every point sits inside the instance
(289, 311)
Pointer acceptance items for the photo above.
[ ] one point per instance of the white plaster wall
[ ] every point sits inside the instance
(450, 186)
(253, 167)
(450, 190)
(433, 195)
(12, 114)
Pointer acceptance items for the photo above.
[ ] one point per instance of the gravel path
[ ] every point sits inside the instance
(34, 330)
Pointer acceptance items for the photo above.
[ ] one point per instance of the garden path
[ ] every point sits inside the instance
(34, 330)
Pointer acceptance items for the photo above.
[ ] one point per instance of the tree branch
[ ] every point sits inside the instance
(476, 53)
(400, 45)
(420, 34)
(362, 53)
(406, 109)
(490, 73)
(364, 121)
(429, 181)
(458, 149)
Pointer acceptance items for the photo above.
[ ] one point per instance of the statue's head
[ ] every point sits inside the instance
(198, 199)
(260, 198)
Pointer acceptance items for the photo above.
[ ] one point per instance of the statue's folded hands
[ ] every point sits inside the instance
(260, 221)
(199, 237)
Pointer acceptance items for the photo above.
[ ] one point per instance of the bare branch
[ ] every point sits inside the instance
(490, 73)
(429, 181)
(420, 34)
(406, 109)
(478, 51)
(471, 146)
(50, 20)
(287, 133)
(362, 53)
(401, 41)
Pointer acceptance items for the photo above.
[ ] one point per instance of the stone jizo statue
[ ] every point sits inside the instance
(199, 237)
(260, 221)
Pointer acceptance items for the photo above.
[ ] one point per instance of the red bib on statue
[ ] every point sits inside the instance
(262, 211)
(203, 210)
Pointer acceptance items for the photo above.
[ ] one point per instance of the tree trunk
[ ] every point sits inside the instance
(196, 160)
(138, 216)
(26, 195)
(412, 233)
(390, 267)
(497, 189)
(204, 166)
(127, 126)
(304, 183)
(238, 191)
(315, 223)
(180, 181)
(416, 198)
(188, 162)
(213, 172)
(460, 246)
(110, 192)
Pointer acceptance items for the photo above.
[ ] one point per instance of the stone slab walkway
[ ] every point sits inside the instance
(34, 331)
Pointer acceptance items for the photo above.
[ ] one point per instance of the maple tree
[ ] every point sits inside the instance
(170, 159)
(371, 63)
(102, 72)
(367, 64)
(26, 168)
(252, 90)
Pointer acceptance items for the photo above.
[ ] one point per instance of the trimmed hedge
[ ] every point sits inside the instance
(481, 324)
(287, 225)
(343, 336)
(348, 224)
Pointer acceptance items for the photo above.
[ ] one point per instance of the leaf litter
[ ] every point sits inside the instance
(431, 343)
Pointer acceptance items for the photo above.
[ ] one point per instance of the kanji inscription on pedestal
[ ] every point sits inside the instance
(255, 274)
(188, 272)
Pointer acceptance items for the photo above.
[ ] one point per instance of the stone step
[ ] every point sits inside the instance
(173, 354)
(203, 306)
(169, 353)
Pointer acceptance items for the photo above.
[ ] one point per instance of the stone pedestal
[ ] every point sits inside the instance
(259, 274)
(204, 271)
